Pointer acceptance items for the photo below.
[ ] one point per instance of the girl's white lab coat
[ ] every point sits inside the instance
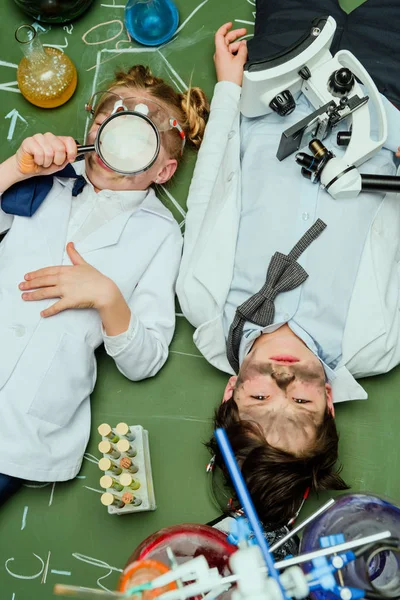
(47, 366)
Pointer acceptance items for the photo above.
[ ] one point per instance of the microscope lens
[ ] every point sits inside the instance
(305, 160)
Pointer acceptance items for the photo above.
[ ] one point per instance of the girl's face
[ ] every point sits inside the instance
(102, 177)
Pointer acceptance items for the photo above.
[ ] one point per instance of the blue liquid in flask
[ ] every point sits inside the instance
(151, 22)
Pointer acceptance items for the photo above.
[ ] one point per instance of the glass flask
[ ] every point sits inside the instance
(151, 22)
(355, 516)
(46, 76)
(54, 11)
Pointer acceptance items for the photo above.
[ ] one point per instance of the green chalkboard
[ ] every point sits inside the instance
(61, 533)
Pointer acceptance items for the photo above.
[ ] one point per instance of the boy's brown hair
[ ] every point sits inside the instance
(277, 479)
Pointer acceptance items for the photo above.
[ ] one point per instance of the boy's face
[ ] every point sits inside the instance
(281, 385)
(102, 177)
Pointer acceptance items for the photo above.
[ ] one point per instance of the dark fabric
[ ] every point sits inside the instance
(283, 274)
(24, 198)
(370, 32)
(8, 486)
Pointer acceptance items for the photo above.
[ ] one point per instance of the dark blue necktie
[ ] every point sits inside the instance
(24, 198)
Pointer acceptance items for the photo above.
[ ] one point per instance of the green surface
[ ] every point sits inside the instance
(65, 523)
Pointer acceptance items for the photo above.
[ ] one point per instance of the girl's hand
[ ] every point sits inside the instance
(230, 55)
(398, 152)
(44, 154)
(77, 286)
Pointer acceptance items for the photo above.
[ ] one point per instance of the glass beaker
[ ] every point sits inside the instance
(151, 22)
(54, 11)
(46, 76)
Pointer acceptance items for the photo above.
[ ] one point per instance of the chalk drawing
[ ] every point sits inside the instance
(120, 23)
(46, 569)
(55, 572)
(69, 29)
(13, 116)
(17, 576)
(23, 525)
(52, 494)
(97, 563)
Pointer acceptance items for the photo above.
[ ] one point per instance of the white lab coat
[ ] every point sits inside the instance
(371, 342)
(48, 366)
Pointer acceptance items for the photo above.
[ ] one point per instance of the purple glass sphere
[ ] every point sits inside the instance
(54, 11)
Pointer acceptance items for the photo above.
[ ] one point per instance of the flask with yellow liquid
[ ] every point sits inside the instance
(46, 76)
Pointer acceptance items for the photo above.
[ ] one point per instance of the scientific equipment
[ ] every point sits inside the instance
(123, 493)
(46, 76)
(254, 574)
(151, 22)
(54, 11)
(331, 85)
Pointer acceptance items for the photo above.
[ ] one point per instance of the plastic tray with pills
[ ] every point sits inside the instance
(127, 480)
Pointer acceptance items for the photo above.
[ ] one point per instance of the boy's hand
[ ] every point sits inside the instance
(77, 286)
(230, 55)
(44, 154)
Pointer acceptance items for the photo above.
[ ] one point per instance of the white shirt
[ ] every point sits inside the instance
(278, 206)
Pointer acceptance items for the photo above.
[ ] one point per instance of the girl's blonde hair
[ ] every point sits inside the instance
(191, 108)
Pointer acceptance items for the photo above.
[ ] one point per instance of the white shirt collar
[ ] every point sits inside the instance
(344, 386)
(128, 199)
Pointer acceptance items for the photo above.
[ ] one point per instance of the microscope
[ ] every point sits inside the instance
(343, 95)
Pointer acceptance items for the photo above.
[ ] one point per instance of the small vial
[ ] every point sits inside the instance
(107, 448)
(127, 481)
(105, 464)
(129, 498)
(123, 430)
(128, 465)
(106, 431)
(107, 482)
(124, 446)
(108, 499)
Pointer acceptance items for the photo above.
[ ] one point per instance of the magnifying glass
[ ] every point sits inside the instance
(127, 142)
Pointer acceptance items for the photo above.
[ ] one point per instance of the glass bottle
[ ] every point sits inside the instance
(54, 11)
(151, 22)
(46, 76)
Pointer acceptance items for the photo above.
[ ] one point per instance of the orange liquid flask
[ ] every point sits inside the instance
(46, 76)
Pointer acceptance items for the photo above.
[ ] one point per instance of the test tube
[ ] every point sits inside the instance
(106, 447)
(109, 482)
(108, 499)
(128, 465)
(127, 481)
(124, 446)
(105, 430)
(129, 498)
(123, 429)
(105, 464)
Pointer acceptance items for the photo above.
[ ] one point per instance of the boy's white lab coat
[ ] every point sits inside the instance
(47, 366)
(371, 343)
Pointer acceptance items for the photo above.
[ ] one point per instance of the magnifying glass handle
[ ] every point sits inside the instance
(84, 149)
(28, 166)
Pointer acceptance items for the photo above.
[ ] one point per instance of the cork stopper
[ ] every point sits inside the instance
(122, 428)
(104, 429)
(127, 498)
(105, 464)
(125, 462)
(107, 499)
(106, 481)
(105, 447)
(123, 445)
(125, 479)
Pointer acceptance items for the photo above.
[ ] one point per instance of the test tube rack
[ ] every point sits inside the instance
(145, 493)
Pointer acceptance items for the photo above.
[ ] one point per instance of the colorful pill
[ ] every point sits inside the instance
(105, 464)
(107, 448)
(129, 498)
(127, 481)
(123, 429)
(108, 499)
(124, 446)
(128, 465)
(106, 431)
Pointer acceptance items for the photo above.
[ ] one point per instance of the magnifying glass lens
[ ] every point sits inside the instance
(128, 143)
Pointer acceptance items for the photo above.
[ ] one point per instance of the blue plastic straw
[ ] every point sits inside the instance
(246, 502)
